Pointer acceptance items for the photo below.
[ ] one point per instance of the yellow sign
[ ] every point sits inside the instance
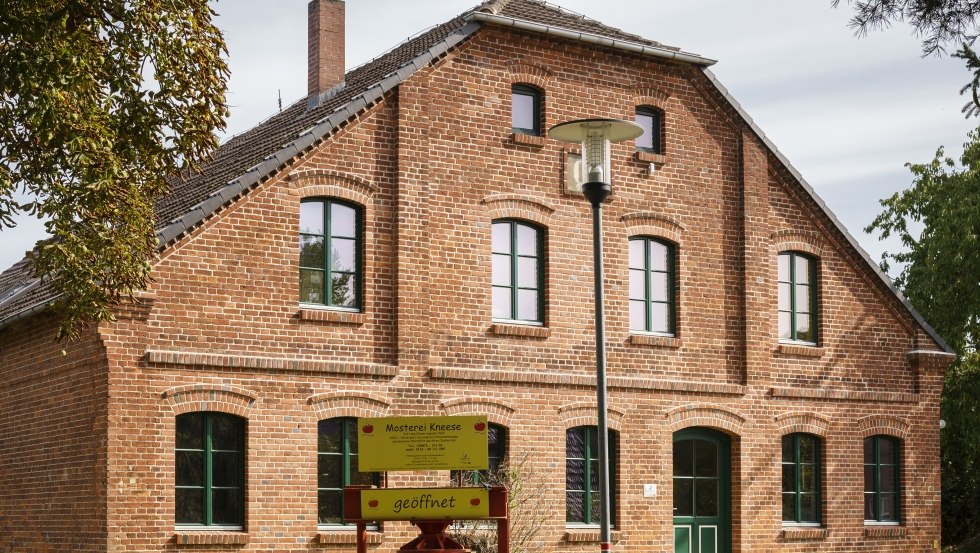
(422, 443)
(425, 503)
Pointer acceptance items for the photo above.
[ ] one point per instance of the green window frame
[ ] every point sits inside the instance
(652, 285)
(582, 475)
(882, 480)
(525, 109)
(652, 121)
(330, 245)
(797, 297)
(496, 455)
(801, 468)
(518, 272)
(337, 468)
(209, 470)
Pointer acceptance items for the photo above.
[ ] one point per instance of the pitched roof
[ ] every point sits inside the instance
(246, 159)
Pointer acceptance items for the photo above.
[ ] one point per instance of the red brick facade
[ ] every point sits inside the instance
(87, 438)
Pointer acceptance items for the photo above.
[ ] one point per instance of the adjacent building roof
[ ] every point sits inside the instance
(259, 153)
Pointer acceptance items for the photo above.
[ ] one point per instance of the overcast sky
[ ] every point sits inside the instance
(847, 112)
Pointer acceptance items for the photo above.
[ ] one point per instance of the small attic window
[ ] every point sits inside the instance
(652, 121)
(525, 109)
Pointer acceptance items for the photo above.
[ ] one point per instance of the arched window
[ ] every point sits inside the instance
(801, 466)
(337, 468)
(496, 455)
(652, 121)
(797, 297)
(882, 479)
(330, 266)
(518, 272)
(525, 109)
(210, 470)
(652, 285)
(582, 475)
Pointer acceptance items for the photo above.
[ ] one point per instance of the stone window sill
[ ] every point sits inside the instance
(348, 537)
(526, 331)
(885, 531)
(332, 316)
(528, 139)
(213, 537)
(800, 350)
(655, 341)
(804, 533)
(650, 157)
(587, 535)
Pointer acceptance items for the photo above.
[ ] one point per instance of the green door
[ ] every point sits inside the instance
(702, 492)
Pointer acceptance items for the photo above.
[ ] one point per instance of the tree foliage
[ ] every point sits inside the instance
(101, 101)
(938, 222)
(940, 23)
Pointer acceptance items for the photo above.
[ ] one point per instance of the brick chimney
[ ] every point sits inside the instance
(326, 47)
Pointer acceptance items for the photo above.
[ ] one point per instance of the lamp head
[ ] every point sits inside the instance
(595, 136)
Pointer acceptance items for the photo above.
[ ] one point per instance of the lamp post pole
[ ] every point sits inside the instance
(595, 136)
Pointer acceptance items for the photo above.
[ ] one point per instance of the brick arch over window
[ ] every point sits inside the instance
(530, 73)
(346, 404)
(650, 224)
(205, 397)
(810, 423)
(801, 241)
(874, 425)
(496, 412)
(585, 414)
(519, 206)
(333, 183)
(686, 416)
(648, 95)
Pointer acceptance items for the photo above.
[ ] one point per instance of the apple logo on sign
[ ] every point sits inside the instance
(373, 504)
(367, 428)
(479, 426)
(475, 501)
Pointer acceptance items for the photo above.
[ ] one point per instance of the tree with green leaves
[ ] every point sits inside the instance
(937, 221)
(100, 102)
(940, 23)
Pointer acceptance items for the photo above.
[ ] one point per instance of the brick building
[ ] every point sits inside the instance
(407, 241)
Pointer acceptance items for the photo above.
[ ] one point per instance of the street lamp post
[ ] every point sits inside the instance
(595, 136)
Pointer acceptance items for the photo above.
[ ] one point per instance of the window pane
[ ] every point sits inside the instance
(594, 474)
(869, 478)
(501, 237)
(789, 478)
(330, 470)
(683, 497)
(351, 427)
(789, 455)
(574, 444)
(808, 449)
(527, 305)
(784, 297)
(638, 287)
(342, 256)
(789, 507)
(527, 240)
(870, 513)
(802, 298)
(190, 431)
(684, 458)
(869, 450)
(226, 507)
(329, 506)
(360, 478)
(574, 508)
(645, 140)
(189, 506)
(659, 287)
(311, 251)
(311, 217)
(658, 316)
(888, 479)
(658, 256)
(638, 315)
(802, 270)
(311, 286)
(706, 461)
(501, 269)
(328, 436)
(226, 433)
(785, 330)
(706, 497)
(190, 468)
(886, 451)
(808, 508)
(784, 267)
(343, 290)
(596, 508)
(342, 221)
(226, 469)
(803, 330)
(502, 303)
(808, 478)
(523, 111)
(527, 272)
(889, 506)
(636, 254)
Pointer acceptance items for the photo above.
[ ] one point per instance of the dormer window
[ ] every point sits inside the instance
(525, 109)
